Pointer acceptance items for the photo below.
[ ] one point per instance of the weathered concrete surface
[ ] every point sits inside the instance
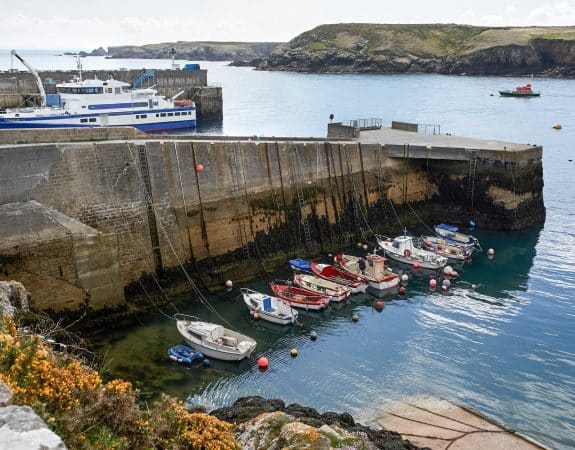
(64, 263)
(146, 195)
(438, 424)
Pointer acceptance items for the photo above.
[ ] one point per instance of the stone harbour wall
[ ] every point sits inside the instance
(131, 208)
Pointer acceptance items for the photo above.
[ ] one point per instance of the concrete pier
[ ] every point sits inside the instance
(139, 204)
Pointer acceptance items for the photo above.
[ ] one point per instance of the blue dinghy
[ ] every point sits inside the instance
(184, 354)
(300, 264)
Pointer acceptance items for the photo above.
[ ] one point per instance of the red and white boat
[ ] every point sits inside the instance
(321, 286)
(372, 268)
(357, 284)
(299, 297)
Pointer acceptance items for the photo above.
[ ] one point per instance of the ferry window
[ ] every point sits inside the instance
(137, 117)
(84, 106)
(157, 115)
(163, 115)
(92, 119)
(170, 114)
(83, 120)
(108, 90)
(117, 90)
(144, 116)
(150, 103)
(176, 114)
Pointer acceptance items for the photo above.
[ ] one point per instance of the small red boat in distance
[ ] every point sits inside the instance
(357, 284)
(520, 91)
(299, 297)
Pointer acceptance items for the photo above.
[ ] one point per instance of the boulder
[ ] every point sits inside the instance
(22, 429)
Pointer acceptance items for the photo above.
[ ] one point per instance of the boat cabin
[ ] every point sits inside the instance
(375, 266)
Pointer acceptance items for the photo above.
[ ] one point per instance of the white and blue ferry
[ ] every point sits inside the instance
(98, 103)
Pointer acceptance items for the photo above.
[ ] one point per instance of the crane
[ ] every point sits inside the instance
(35, 73)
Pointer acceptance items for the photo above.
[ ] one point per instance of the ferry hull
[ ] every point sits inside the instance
(147, 127)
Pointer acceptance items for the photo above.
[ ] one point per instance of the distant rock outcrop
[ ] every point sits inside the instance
(197, 51)
(437, 48)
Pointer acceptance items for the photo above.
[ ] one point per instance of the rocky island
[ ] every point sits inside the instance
(196, 51)
(433, 48)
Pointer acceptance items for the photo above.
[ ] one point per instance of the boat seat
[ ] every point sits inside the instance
(231, 341)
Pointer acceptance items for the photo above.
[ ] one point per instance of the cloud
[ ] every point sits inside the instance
(552, 14)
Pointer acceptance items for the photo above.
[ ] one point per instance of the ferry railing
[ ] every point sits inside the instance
(432, 128)
(372, 123)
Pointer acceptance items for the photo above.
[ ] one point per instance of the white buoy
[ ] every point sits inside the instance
(447, 270)
(404, 278)
(229, 284)
(365, 246)
(446, 283)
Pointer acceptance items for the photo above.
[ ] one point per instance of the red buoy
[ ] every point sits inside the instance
(401, 290)
(473, 286)
(415, 264)
(378, 305)
(199, 167)
(263, 362)
(432, 283)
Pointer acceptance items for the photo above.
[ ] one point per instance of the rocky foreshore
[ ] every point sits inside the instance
(270, 424)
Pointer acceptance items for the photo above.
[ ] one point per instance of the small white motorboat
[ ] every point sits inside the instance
(372, 268)
(452, 235)
(213, 340)
(336, 292)
(268, 307)
(457, 252)
(402, 249)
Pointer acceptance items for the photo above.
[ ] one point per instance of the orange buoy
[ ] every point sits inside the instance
(199, 167)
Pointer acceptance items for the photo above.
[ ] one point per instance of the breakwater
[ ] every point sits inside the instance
(82, 222)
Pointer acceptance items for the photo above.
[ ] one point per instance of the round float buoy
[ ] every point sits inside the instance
(447, 270)
(473, 286)
(329, 255)
(453, 274)
(359, 245)
(557, 126)
(263, 362)
(444, 288)
(446, 283)
(401, 290)
(293, 352)
(313, 335)
(364, 246)
(256, 315)
(354, 317)
(404, 278)
(378, 305)
(229, 284)
(491, 252)
(199, 167)
(407, 253)
(415, 264)
(432, 283)
(206, 362)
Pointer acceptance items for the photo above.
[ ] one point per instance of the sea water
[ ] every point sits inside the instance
(506, 348)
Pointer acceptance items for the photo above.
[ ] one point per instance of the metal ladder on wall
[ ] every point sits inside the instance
(300, 197)
(386, 206)
(238, 177)
(471, 178)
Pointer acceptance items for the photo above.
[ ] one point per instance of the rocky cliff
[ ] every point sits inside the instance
(197, 51)
(437, 48)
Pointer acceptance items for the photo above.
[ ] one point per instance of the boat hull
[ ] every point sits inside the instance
(356, 286)
(282, 314)
(213, 350)
(300, 298)
(335, 296)
(517, 94)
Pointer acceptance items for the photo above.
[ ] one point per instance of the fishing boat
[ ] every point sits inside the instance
(403, 249)
(452, 235)
(457, 252)
(184, 354)
(299, 297)
(268, 307)
(98, 103)
(520, 91)
(300, 265)
(372, 268)
(336, 292)
(213, 340)
(357, 284)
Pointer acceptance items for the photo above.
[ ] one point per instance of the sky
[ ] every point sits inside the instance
(85, 25)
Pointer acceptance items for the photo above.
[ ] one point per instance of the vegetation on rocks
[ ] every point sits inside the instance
(442, 48)
(91, 413)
